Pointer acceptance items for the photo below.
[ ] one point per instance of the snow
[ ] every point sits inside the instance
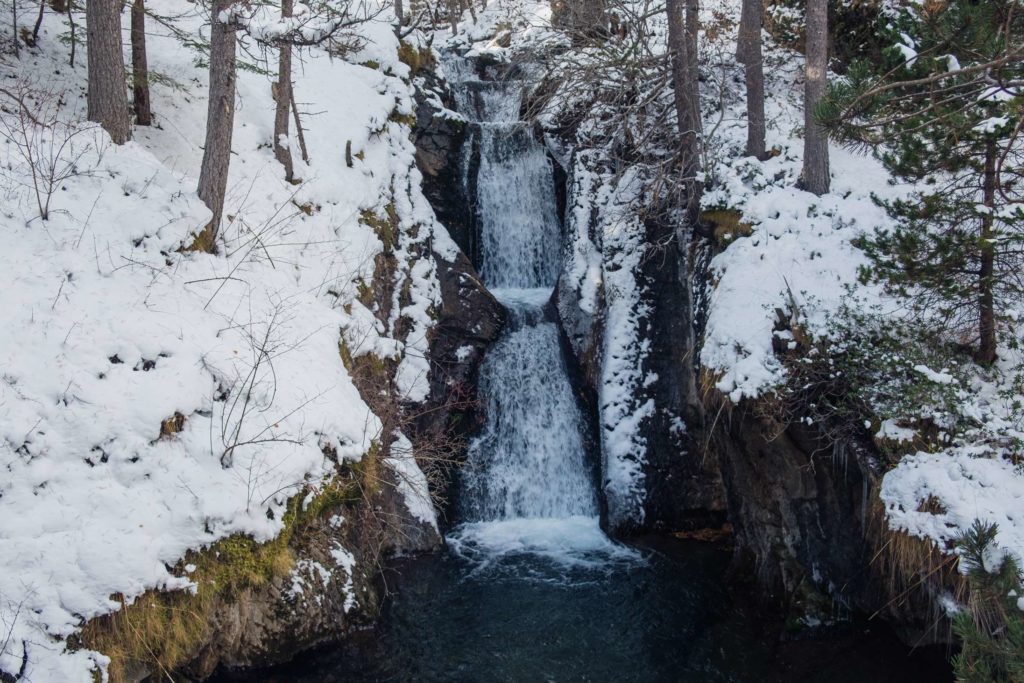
(892, 431)
(968, 486)
(938, 377)
(907, 49)
(463, 353)
(800, 252)
(347, 562)
(412, 482)
(110, 330)
(623, 403)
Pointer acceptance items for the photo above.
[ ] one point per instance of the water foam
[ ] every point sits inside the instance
(566, 543)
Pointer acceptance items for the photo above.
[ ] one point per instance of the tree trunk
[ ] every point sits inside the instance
(986, 301)
(677, 50)
(694, 129)
(298, 128)
(453, 15)
(682, 45)
(746, 22)
(140, 69)
(220, 119)
(284, 99)
(399, 14)
(815, 175)
(753, 71)
(108, 96)
(71, 30)
(39, 22)
(14, 28)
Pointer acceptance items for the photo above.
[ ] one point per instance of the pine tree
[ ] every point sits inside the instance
(946, 111)
(991, 630)
(108, 96)
(814, 177)
(140, 68)
(220, 120)
(683, 27)
(282, 149)
(749, 52)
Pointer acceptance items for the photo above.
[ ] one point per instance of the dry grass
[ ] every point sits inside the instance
(912, 570)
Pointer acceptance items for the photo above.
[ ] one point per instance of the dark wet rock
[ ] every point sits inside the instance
(808, 528)
(440, 136)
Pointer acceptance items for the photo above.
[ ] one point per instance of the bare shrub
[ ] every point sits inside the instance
(45, 150)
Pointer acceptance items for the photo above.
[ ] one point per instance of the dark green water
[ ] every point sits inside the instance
(666, 618)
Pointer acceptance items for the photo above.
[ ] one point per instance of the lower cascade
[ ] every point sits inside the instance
(528, 461)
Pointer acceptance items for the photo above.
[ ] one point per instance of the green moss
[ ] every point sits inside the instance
(726, 225)
(416, 59)
(161, 631)
(386, 227)
(203, 241)
(405, 119)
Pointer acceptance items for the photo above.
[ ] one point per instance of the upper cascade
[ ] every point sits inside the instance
(515, 193)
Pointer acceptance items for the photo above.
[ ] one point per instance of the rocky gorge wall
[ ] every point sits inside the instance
(807, 523)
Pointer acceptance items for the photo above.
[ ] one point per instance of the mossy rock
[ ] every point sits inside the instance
(417, 59)
(386, 227)
(726, 225)
(160, 632)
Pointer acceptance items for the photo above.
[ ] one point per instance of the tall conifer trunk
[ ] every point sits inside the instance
(986, 301)
(815, 175)
(108, 96)
(220, 119)
(140, 68)
(284, 99)
(753, 71)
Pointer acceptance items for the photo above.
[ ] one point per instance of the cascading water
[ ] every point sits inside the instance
(526, 483)
(528, 461)
(532, 590)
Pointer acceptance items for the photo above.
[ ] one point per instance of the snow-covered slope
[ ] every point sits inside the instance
(153, 401)
(800, 258)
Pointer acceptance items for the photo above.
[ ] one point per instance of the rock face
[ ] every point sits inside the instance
(328, 592)
(439, 143)
(809, 527)
(469, 321)
(680, 485)
(799, 508)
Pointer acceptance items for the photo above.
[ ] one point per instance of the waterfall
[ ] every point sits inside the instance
(515, 193)
(526, 482)
(528, 460)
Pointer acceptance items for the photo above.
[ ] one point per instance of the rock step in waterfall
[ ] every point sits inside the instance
(526, 484)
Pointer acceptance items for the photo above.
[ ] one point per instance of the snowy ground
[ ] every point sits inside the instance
(109, 331)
